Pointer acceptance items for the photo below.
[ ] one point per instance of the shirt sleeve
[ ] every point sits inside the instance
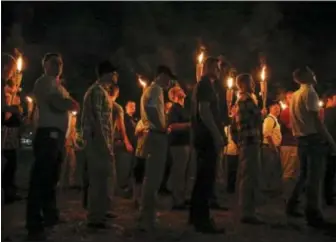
(312, 102)
(155, 96)
(268, 127)
(173, 115)
(204, 91)
(59, 97)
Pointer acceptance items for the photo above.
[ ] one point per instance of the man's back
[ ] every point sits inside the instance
(304, 101)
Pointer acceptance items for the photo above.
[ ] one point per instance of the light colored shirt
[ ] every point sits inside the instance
(152, 108)
(304, 101)
(231, 148)
(271, 128)
(53, 103)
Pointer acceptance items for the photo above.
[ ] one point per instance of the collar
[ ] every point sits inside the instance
(273, 116)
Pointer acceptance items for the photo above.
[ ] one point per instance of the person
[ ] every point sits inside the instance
(312, 135)
(270, 162)
(130, 121)
(11, 143)
(156, 144)
(208, 140)
(330, 123)
(98, 133)
(288, 149)
(53, 104)
(247, 131)
(123, 146)
(179, 123)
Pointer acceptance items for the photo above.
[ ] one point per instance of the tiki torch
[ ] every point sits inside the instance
(263, 85)
(199, 66)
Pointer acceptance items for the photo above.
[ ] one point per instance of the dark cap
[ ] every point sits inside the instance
(165, 70)
(105, 67)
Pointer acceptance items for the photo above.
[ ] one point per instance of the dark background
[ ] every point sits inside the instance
(137, 36)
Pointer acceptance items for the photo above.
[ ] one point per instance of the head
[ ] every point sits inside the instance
(164, 76)
(11, 86)
(176, 95)
(211, 68)
(168, 106)
(114, 92)
(8, 66)
(106, 73)
(288, 97)
(274, 109)
(52, 64)
(130, 108)
(245, 83)
(304, 75)
(330, 98)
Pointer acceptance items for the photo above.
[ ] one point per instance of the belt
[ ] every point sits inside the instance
(157, 131)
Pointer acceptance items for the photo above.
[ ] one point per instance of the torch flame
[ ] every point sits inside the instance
(230, 82)
(74, 113)
(19, 64)
(283, 105)
(200, 58)
(321, 104)
(142, 83)
(263, 73)
(29, 99)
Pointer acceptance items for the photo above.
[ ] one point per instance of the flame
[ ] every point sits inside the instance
(29, 99)
(142, 83)
(19, 64)
(321, 104)
(201, 57)
(263, 73)
(230, 82)
(74, 113)
(283, 105)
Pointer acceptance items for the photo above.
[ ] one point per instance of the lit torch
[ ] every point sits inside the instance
(283, 105)
(229, 92)
(199, 66)
(263, 85)
(320, 104)
(74, 113)
(142, 83)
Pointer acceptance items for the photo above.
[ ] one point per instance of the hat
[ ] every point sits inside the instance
(105, 67)
(165, 70)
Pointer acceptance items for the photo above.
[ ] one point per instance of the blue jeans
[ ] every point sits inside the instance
(311, 151)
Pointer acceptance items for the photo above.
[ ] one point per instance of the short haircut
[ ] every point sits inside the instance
(271, 103)
(210, 61)
(172, 92)
(162, 69)
(49, 56)
(302, 75)
(244, 79)
(105, 67)
(129, 101)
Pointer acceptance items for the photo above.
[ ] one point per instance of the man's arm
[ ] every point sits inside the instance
(121, 126)
(155, 109)
(60, 100)
(174, 123)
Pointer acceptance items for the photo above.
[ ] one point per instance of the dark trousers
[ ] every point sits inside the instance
(41, 205)
(206, 158)
(329, 180)
(8, 173)
(139, 170)
(232, 166)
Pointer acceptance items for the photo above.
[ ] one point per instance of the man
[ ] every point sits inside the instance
(130, 121)
(330, 123)
(312, 135)
(248, 124)
(179, 123)
(271, 166)
(53, 104)
(288, 150)
(98, 132)
(156, 144)
(208, 141)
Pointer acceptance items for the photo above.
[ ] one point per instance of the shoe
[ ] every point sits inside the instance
(110, 215)
(251, 220)
(179, 207)
(36, 236)
(100, 225)
(208, 227)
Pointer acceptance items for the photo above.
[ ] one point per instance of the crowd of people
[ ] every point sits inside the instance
(284, 149)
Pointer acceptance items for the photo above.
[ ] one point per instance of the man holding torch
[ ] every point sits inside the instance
(53, 104)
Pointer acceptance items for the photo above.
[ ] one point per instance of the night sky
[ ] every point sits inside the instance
(137, 36)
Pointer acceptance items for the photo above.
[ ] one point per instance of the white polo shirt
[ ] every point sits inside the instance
(271, 128)
(304, 100)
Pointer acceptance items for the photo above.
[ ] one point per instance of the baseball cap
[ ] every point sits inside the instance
(105, 67)
(165, 70)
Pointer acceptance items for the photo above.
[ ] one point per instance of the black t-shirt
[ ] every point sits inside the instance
(178, 114)
(204, 91)
(130, 123)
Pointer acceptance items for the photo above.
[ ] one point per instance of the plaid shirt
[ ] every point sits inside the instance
(97, 115)
(248, 121)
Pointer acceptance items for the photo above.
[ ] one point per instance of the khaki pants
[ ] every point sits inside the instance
(249, 163)
(100, 172)
(69, 177)
(157, 145)
(178, 173)
(290, 168)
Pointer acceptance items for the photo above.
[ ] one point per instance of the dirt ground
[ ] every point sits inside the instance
(173, 225)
